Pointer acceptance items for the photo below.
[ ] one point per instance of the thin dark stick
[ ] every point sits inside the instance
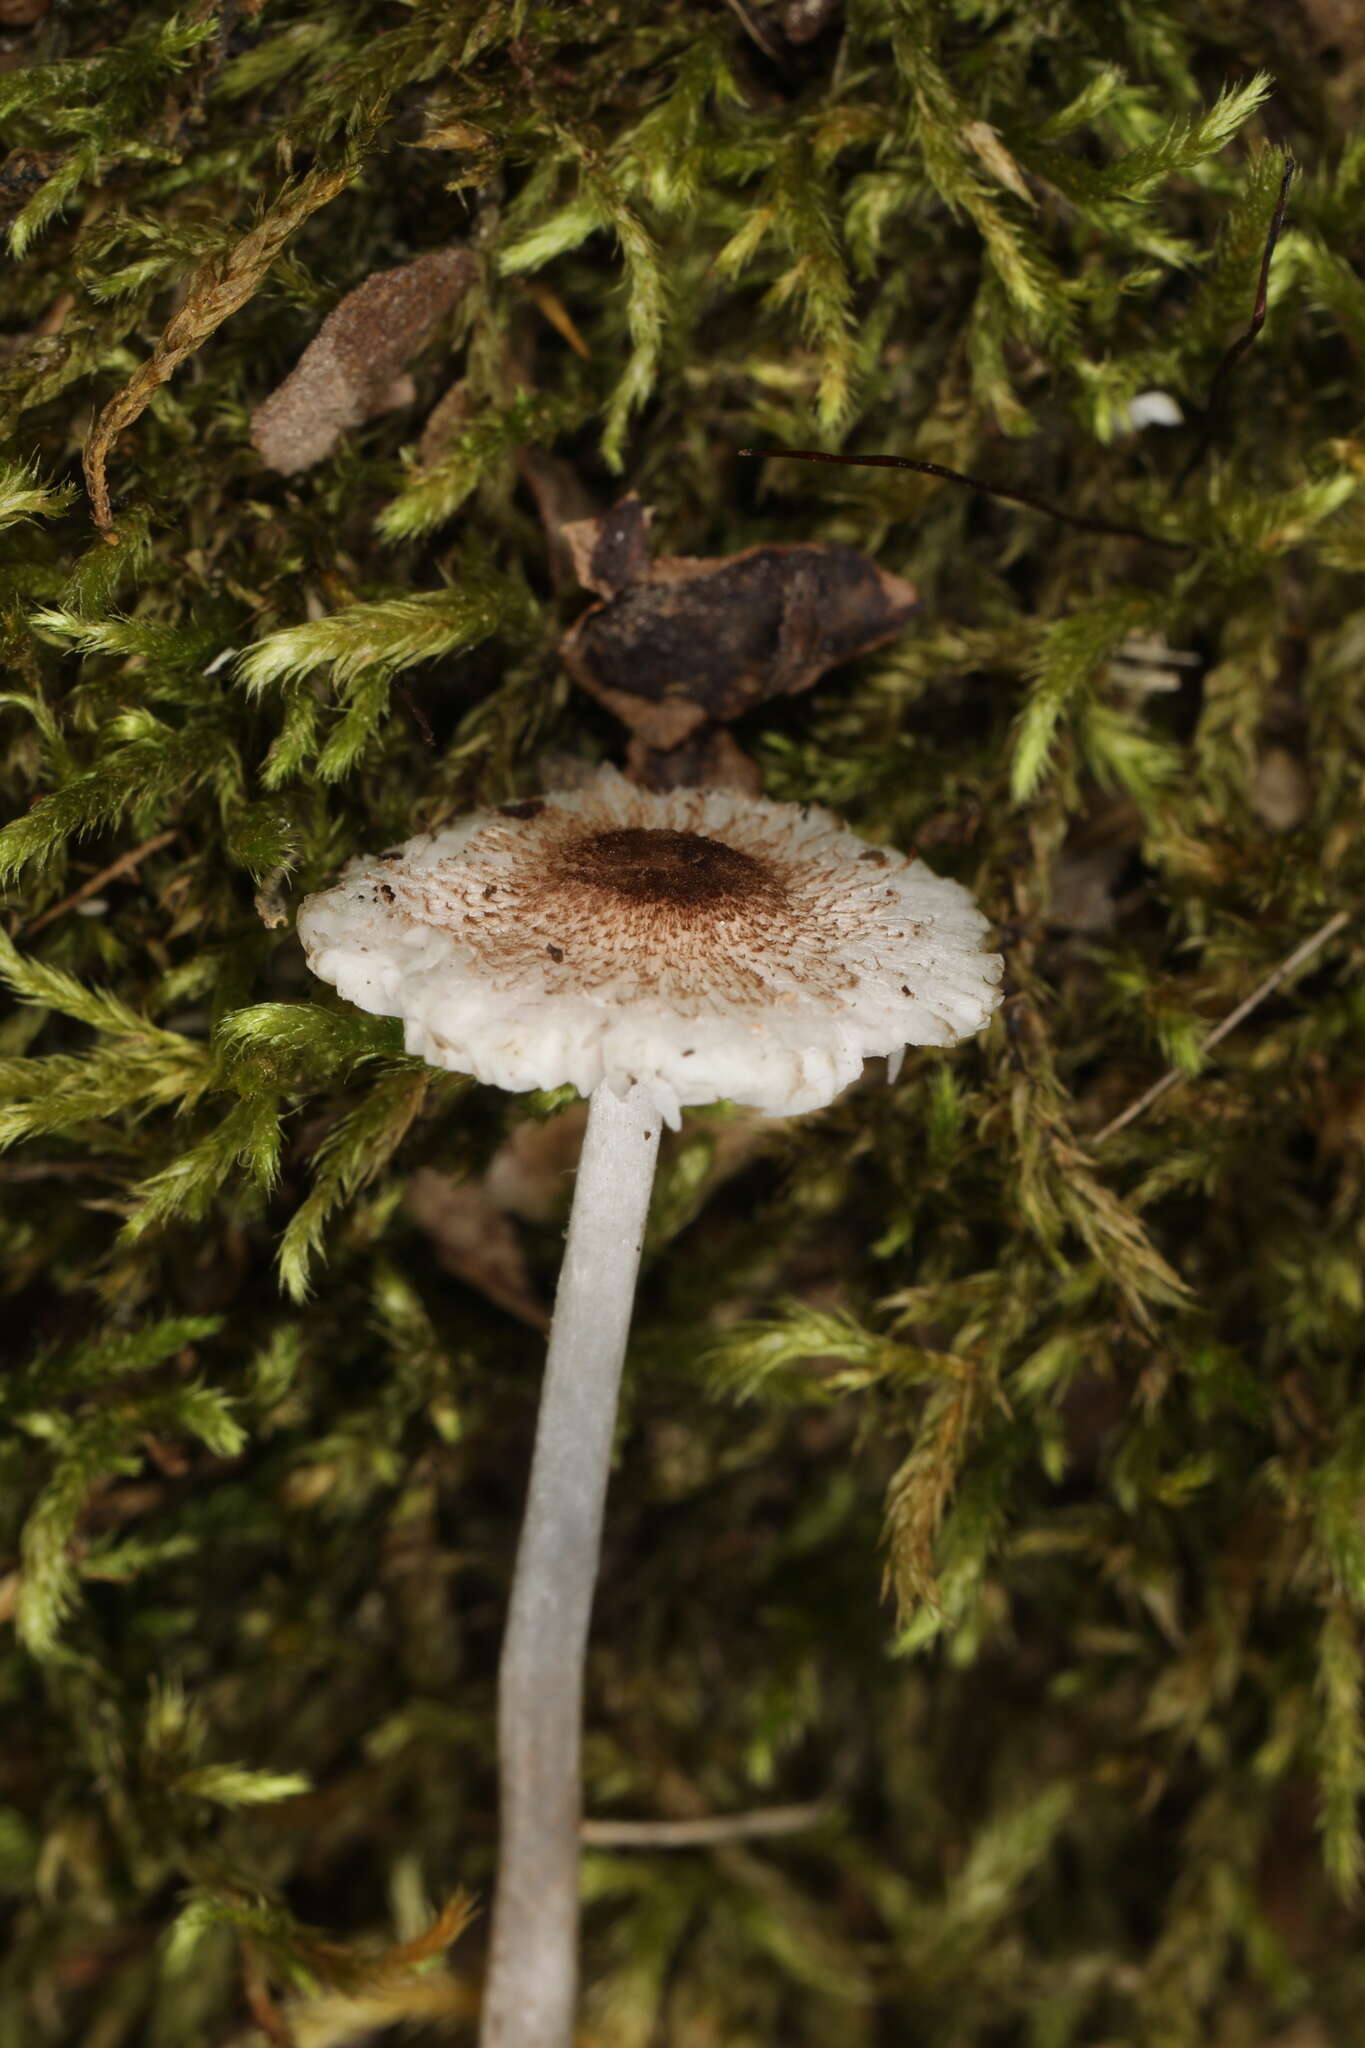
(1233, 355)
(419, 717)
(976, 483)
(1244, 341)
(1050, 511)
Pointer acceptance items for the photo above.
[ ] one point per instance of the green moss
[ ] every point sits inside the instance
(994, 1482)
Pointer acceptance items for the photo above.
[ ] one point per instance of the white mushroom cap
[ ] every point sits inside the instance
(706, 944)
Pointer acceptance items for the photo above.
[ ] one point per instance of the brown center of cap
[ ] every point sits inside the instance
(678, 870)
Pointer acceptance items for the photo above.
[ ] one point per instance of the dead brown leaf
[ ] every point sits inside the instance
(443, 422)
(563, 502)
(531, 1173)
(610, 550)
(21, 173)
(353, 368)
(476, 1241)
(1081, 897)
(685, 641)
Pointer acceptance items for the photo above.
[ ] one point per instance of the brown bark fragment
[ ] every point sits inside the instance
(699, 640)
(353, 367)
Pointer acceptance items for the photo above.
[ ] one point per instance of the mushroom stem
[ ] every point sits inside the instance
(532, 1982)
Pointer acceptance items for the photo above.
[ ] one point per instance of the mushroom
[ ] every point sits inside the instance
(656, 952)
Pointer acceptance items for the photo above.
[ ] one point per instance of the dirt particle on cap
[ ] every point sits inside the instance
(556, 953)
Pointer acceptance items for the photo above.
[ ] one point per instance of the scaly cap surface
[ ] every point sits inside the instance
(708, 944)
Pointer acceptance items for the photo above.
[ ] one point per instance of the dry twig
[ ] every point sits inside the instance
(1229, 1024)
(1081, 522)
(260, 2004)
(705, 1832)
(217, 289)
(126, 864)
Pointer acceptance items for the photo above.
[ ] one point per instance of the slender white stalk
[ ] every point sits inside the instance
(532, 1981)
